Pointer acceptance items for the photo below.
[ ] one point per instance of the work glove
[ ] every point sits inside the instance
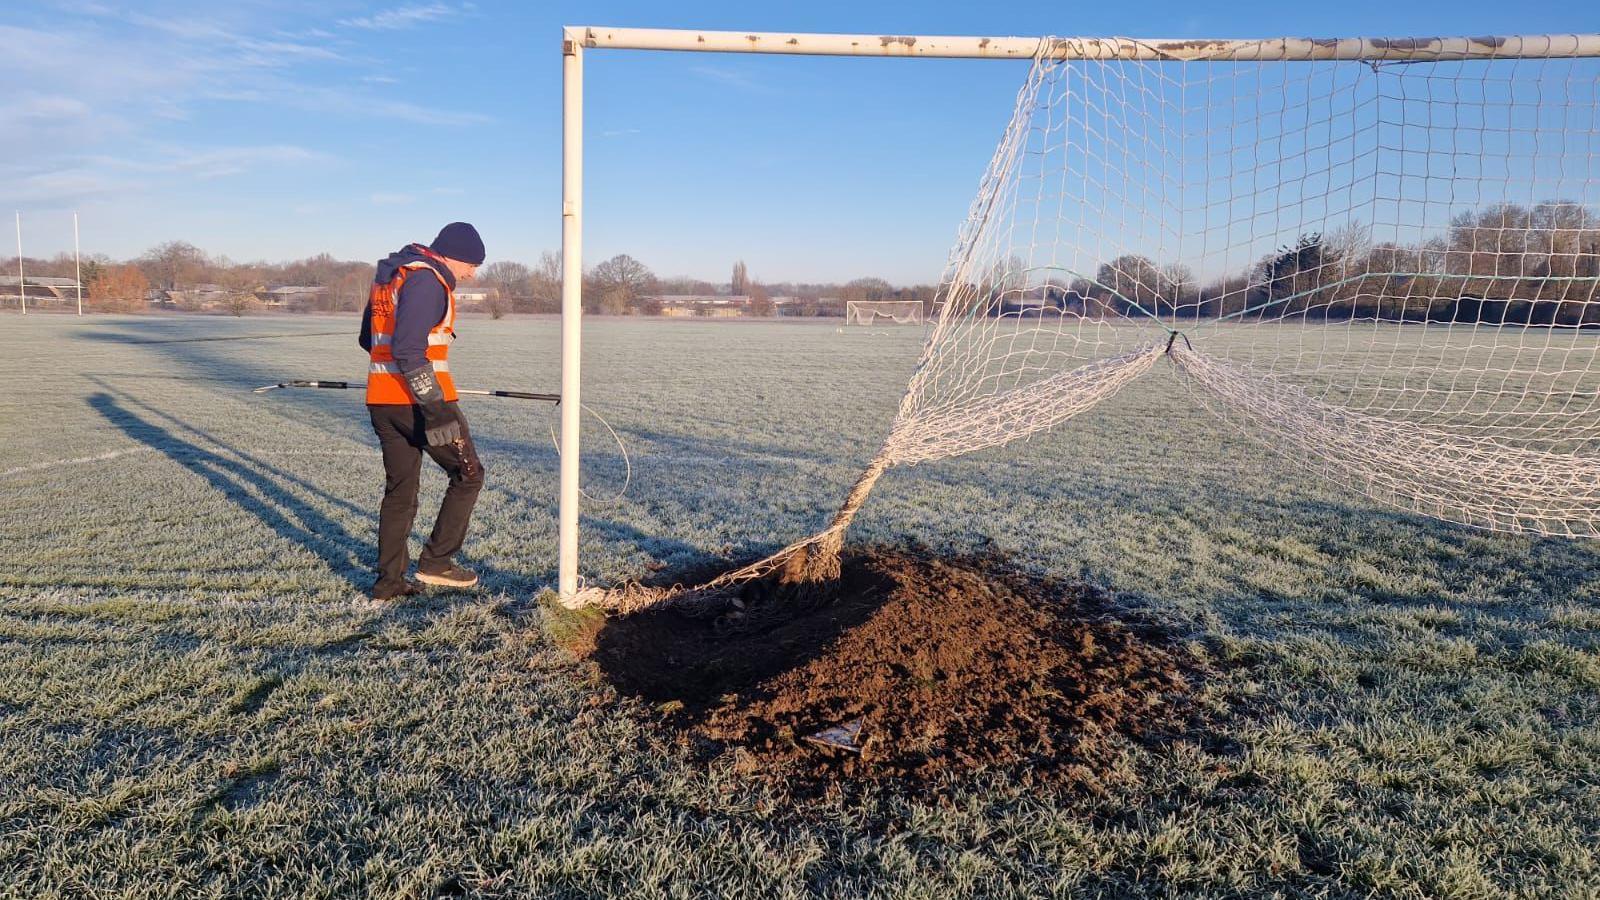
(439, 422)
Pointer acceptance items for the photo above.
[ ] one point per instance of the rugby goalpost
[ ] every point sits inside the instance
(1219, 154)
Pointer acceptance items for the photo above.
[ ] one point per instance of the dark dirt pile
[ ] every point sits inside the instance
(933, 667)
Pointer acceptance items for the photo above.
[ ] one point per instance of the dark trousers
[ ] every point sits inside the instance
(401, 435)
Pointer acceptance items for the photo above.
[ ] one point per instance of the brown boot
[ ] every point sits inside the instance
(451, 575)
(406, 588)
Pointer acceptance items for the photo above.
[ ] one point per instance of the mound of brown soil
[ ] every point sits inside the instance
(920, 668)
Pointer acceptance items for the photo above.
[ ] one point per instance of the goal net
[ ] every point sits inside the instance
(1387, 269)
(1385, 266)
(883, 312)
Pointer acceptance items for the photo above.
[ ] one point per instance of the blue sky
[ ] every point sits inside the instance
(275, 130)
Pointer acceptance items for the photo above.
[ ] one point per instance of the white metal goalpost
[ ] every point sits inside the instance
(577, 40)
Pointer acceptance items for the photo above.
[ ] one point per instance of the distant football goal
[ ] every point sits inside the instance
(1378, 257)
(883, 312)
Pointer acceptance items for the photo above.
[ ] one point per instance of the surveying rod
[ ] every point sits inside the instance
(345, 385)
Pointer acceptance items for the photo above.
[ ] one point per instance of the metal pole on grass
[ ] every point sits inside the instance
(77, 260)
(22, 289)
(571, 306)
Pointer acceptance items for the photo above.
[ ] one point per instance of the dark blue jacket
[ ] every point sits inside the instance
(422, 304)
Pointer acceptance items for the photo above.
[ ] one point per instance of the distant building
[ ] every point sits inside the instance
(291, 296)
(808, 306)
(714, 306)
(195, 296)
(39, 289)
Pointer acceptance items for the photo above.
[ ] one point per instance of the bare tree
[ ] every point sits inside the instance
(685, 285)
(1177, 292)
(1127, 284)
(350, 290)
(545, 284)
(761, 302)
(241, 285)
(619, 281)
(507, 280)
(496, 303)
(172, 264)
(866, 289)
(740, 284)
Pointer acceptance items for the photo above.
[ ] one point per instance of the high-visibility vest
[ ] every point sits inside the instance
(385, 384)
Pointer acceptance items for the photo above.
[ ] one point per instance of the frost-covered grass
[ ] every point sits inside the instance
(196, 701)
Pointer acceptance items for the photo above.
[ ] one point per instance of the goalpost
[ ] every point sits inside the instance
(1288, 222)
(883, 312)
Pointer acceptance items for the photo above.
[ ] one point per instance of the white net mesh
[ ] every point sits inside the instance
(1389, 268)
(883, 312)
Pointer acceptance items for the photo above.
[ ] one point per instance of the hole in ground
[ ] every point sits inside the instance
(950, 666)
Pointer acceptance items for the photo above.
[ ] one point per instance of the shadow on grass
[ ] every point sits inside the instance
(666, 657)
(256, 462)
(252, 490)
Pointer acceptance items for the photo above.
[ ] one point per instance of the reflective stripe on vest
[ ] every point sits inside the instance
(433, 338)
(385, 384)
(440, 367)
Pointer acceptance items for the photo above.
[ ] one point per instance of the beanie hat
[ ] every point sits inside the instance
(459, 241)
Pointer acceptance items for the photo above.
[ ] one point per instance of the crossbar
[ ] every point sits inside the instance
(1414, 49)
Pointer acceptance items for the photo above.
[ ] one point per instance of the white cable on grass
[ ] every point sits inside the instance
(627, 463)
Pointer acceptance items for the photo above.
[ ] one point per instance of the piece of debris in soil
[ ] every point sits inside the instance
(839, 737)
(912, 668)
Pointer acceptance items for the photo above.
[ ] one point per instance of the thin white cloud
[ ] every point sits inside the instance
(78, 86)
(401, 17)
(67, 186)
(391, 198)
(620, 132)
(59, 182)
(248, 49)
(89, 114)
(729, 77)
(45, 108)
(212, 163)
(346, 102)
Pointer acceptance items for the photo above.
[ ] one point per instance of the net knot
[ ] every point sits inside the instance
(1172, 337)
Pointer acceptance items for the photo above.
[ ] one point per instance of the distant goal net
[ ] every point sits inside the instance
(883, 312)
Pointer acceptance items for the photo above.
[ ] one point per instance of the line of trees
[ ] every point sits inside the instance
(621, 285)
(177, 266)
(1504, 264)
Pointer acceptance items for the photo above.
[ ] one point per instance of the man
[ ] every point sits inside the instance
(407, 329)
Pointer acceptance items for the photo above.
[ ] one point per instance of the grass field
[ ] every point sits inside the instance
(196, 700)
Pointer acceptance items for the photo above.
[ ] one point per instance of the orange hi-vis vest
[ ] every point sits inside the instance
(385, 384)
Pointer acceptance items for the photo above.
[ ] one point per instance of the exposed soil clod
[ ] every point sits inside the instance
(909, 668)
